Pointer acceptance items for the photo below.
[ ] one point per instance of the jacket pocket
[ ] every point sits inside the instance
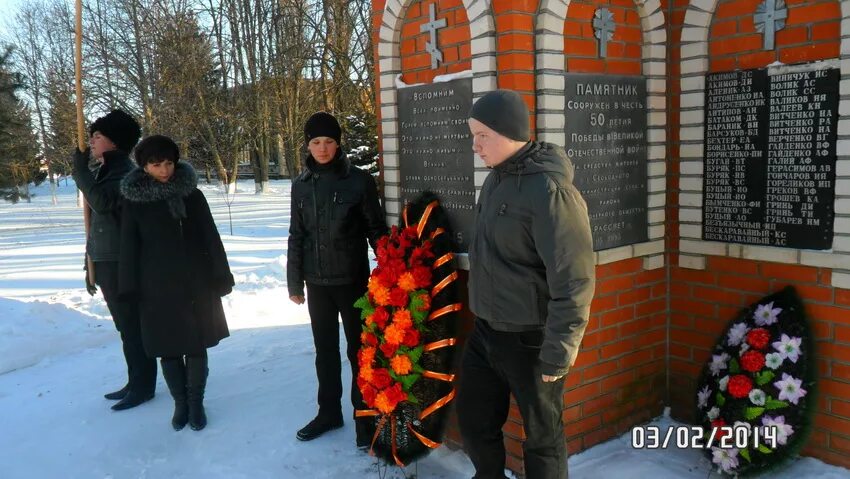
(343, 202)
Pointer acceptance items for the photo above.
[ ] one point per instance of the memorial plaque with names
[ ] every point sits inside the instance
(769, 175)
(606, 140)
(436, 150)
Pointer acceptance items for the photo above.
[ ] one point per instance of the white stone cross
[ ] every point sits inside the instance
(603, 26)
(770, 18)
(431, 27)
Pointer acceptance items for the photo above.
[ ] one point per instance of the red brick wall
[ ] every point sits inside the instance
(581, 47)
(453, 41)
(515, 49)
(812, 32)
(703, 302)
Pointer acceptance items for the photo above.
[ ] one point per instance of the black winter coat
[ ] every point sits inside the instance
(335, 210)
(101, 189)
(173, 263)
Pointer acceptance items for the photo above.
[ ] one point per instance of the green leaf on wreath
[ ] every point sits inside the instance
(745, 453)
(412, 399)
(764, 449)
(416, 353)
(419, 317)
(753, 412)
(363, 303)
(408, 380)
(734, 367)
(720, 399)
(418, 369)
(764, 378)
(775, 404)
(394, 376)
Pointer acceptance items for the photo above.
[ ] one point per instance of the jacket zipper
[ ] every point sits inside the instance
(316, 215)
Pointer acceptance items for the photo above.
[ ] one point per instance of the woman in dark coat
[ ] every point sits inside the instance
(173, 263)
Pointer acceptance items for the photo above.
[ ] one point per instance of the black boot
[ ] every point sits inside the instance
(132, 399)
(318, 426)
(196, 383)
(174, 372)
(119, 394)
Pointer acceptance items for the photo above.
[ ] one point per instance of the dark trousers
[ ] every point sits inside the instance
(494, 365)
(141, 370)
(326, 305)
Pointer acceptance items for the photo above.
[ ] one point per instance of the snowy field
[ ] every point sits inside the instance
(59, 353)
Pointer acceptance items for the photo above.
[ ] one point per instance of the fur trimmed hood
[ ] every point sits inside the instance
(140, 187)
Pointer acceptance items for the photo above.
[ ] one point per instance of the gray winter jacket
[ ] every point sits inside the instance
(531, 258)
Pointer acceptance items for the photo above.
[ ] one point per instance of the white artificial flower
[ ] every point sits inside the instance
(703, 396)
(766, 314)
(790, 388)
(718, 363)
(727, 459)
(713, 413)
(737, 333)
(773, 360)
(758, 397)
(788, 347)
(723, 382)
(778, 425)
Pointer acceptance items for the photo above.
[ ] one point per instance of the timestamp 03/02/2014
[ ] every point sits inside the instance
(695, 437)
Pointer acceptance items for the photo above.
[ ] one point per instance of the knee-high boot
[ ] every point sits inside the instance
(174, 371)
(196, 383)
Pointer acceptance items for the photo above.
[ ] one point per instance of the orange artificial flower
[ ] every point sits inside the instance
(406, 282)
(366, 356)
(401, 364)
(394, 335)
(365, 373)
(402, 319)
(382, 402)
(381, 295)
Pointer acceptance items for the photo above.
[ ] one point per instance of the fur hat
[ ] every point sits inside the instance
(119, 127)
(322, 124)
(504, 112)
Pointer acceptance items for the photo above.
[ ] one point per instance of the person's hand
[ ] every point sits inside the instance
(82, 157)
(92, 289)
(550, 379)
(297, 299)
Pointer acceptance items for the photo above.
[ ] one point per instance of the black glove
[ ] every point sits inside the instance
(81, 158)
(92, 289)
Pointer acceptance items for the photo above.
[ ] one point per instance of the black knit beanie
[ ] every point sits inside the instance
(119, 127)
(504, 112)
(322, 124)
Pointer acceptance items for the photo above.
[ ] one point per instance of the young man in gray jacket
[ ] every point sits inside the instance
(531, 280)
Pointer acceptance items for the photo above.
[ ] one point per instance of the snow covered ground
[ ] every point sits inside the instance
(59, 352)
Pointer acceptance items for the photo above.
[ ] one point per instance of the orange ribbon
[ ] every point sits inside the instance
(437, 405)
(392, 438)
(404, 216)
(366, 413)
(424, 219)
(438, 376)
(452, 308)
(443, 343)
(437, 232)
(443, 260)
(423, 439)
(442, 284)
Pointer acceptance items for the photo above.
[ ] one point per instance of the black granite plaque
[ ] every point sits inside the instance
(606, 140)
(436, 150)
(770, 142)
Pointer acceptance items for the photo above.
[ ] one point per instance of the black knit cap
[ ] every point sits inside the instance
(504, 112)
(119, 127)
(156, 148)
(322, 124)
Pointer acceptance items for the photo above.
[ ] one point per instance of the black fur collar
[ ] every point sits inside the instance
(140, 187)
